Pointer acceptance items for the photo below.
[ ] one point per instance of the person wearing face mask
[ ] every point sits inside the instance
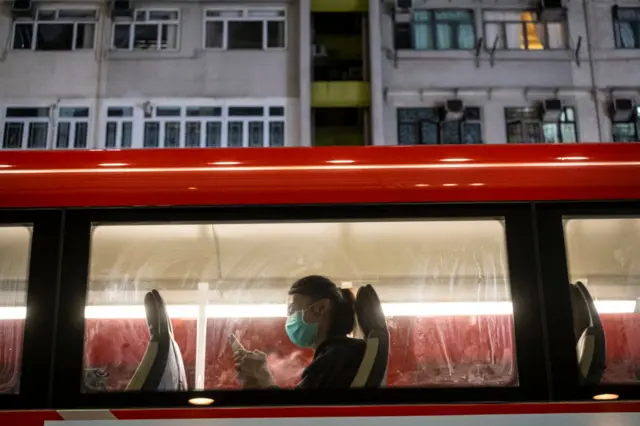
(320, 316)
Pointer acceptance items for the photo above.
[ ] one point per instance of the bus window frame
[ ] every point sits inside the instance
(523, 273)
(41, 302)
(559, 320)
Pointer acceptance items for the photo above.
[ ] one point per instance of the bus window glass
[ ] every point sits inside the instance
(604, 266)
(444, 288)
(15, 245)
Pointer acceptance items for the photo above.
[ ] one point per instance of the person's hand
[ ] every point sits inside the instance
(252, 369)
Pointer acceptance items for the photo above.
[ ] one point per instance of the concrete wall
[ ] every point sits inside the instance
(516, 78)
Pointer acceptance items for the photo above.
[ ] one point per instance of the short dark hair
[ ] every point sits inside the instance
(342, 301)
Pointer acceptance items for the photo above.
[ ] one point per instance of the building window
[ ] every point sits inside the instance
(150, 29)
(254, 29)
(525, 125)
(56, 29)
(522, 30)
(204, 127)
(437, 30)
(119, 127)
(26, 127)
(626, 27)
(72, 127)
(627, 131)
(427, 126)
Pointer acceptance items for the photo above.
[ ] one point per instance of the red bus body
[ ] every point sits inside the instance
(292, 176)
(326, 175)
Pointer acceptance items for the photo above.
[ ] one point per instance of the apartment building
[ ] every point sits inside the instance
(200, 73)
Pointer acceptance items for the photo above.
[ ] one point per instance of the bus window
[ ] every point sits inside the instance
(444, 286)
(604, 266)
(15, 244)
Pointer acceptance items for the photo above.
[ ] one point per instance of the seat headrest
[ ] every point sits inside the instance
(157, 316)
(369, 311)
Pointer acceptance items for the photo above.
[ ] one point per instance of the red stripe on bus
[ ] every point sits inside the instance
(27, 418)
(378, 411)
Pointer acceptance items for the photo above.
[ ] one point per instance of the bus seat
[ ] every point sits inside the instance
(589, 335)
(161, 368)
(372, 323)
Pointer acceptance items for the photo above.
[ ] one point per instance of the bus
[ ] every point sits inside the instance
(509, 279)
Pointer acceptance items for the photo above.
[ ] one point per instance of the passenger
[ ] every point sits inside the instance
(320, 316)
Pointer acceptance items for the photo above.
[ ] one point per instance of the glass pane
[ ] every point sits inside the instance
(27, 112)
(466, 36)
(214, 135)
(127, 132)
(533, 132)
(244, 34)
(276, 133)
(145, 36)
(15, 248)
(276, 111)
(557, 37)
(163, 15)
(448, 327)
(37, 137)
(550, 131)
(204, 111)
(81, 135)
(246, 111)
(471, 133)
(63, 135)
(451, 132)
(120, 112)
(568, 132)
(214, 33)
(256, 134)
(151, 137)
(192, 137)
(168, 111)
(493, 32)
(422, 36)
(172, 134)
(602, 254)
(275, 34)
(85, 35)
(514, 133)
(429, 133)
(54, 37)
(121, 36)
(111, 135)
(515, 37)
(73, 112)
(235, 129)
(169, 36)
(23, 36)
(408, 134)
(12, 138)
(444, 36)
(625, 132)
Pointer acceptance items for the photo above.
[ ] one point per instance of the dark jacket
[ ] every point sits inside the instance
(335, 364)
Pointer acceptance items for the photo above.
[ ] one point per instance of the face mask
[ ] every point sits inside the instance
(301, 333)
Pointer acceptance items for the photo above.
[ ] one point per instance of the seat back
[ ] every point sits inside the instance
(161, 368)
(589, 335)
(372, 323)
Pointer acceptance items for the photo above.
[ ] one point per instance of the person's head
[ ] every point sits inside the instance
(317, 310)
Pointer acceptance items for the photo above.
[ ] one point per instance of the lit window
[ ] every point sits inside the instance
(439, 29)
(56, 29)
(150, 29)
(522, 30)
(525, 125)
(427, 126)
(252, 29)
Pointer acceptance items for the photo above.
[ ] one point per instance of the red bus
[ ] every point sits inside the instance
(509, 277)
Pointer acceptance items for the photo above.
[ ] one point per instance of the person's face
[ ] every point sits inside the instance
(312, 311)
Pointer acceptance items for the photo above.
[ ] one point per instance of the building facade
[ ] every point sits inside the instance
(104, 74)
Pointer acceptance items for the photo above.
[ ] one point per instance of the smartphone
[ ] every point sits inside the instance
(236, 346)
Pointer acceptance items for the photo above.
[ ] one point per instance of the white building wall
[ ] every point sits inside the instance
(48, 78)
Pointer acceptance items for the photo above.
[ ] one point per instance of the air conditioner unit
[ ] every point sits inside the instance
(404, 5)
(319, 51)
(22, 9)
(622, 109)
(121, 8)
(551, 10)
(551, 110)
(453, 109)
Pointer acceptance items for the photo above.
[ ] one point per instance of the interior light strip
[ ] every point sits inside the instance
(279, 310)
